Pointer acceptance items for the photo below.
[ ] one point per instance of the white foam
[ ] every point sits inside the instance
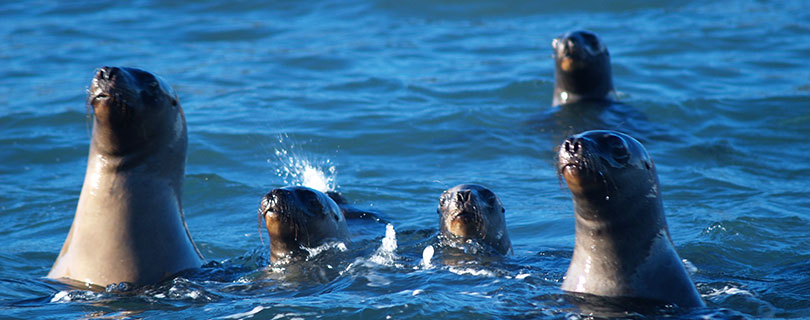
(75, 295)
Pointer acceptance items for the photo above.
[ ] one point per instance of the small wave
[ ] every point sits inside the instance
(727, 290)
(690, 267)
(473, 272)
(243, 315)
(312, 252)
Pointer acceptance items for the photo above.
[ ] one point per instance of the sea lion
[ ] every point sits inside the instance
(581, 69)
(299, 217)
(471, 212)
(129, 225)
(623, 248)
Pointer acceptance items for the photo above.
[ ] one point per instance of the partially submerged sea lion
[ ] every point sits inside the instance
(470, 212)
(623, 248)
(129, 224)
(299, 217)
(582, 69)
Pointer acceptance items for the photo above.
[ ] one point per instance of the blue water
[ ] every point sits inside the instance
(395, 102)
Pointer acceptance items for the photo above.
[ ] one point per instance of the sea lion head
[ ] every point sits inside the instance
(134, 110)
(473, 212)
(298, 218)
(606, 171)
(581, 68)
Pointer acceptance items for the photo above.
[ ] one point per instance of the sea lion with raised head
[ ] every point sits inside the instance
(623, 248)
(581, 69)
(471, 212)
(299, 217)
(129, 225)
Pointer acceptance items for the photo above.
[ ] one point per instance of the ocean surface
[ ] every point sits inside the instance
(392, 102)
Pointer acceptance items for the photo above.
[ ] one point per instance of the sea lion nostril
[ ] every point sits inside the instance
(572, 145)
(459, 198)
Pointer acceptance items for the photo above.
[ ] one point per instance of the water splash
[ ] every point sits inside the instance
(386, 254)
(298, 168)
(427, 255)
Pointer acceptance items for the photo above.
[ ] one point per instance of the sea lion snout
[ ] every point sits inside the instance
(602, 148)
(465, 206)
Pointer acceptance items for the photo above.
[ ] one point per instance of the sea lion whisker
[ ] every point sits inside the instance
(260, 217)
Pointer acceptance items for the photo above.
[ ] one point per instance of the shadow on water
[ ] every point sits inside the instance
(565, 120)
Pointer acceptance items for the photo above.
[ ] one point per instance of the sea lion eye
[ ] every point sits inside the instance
(315, 204)
(443, 199)
(621, 155)
(592, 41)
